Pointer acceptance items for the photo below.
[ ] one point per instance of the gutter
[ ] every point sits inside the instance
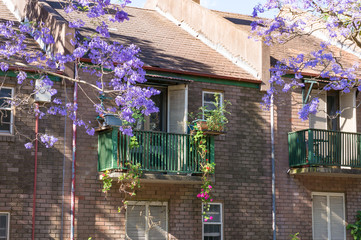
(195, 76)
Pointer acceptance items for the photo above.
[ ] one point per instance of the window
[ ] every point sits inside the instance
(328, 216)
(6, 116)
(209, 99)
(147, 220)
(4, 226)
(213, 229)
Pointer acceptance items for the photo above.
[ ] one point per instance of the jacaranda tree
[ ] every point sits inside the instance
(118, 69)
(336, 22)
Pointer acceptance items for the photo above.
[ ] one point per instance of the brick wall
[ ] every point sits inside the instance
(242, 179)
(293, 202)
(17, 174)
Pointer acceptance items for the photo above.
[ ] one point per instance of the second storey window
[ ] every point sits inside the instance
(6, 114)
(328, 216)
(4, 226)
(209, 99)
(147, 220)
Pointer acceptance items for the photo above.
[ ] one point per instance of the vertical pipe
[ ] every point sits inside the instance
(73, 165)
(273, 172)
(35, 169)
(63, 182)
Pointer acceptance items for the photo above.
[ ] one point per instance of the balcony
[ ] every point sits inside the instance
(159, 153)
(323, 152)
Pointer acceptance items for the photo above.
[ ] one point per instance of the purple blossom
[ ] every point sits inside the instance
(28, 145)
(77, 23)
(21, 77)
(103, 30)
(48, 140)
(120, 16)
(90, 131)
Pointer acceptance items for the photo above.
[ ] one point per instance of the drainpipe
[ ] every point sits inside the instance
(72, 209)
(273, 171)
(35, 170)
(63, 182)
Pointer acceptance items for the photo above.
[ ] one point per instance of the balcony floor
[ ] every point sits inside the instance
(327, 172)
(163, 178)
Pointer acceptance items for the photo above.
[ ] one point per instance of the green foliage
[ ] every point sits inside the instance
(199, 139)
(216, 118)
(356, 227)
(129, 182)
(295, 236)
(107, 181)
(133, 142)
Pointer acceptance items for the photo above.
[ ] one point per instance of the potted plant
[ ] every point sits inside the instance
(213, 120)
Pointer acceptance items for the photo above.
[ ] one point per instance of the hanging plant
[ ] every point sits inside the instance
(128, 181)
(214, 121)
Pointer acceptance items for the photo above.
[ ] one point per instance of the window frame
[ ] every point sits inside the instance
(213, 223)
(10, 132)
(147, 204)
(211, 92)
(8, 224)
(328, 195)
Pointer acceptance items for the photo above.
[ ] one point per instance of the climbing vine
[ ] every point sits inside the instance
(128, 181)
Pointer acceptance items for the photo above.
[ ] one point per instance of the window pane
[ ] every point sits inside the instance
(3, 226)
(320, 226)
(214, 211)
(209, 105)
(209, 100)
(136, 222)
(5, 120)
(209, 97)
(212, 238)
(337, 217)
(212, 229)
(3, 221)
(4, 93)
(157, 223)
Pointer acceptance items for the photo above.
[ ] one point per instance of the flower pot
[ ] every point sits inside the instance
(202, 125)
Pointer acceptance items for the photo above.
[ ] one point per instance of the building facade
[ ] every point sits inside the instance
(316, 176)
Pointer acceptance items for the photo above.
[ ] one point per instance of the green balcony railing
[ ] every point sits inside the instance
(314, 147)
(157, 152)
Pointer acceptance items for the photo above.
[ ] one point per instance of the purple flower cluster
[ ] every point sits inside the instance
(129, 100)
(48, 140)
(338, 21)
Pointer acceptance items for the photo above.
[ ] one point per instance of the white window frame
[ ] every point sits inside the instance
(213, 223)
(211, 92)
(8, 224)
(2, 132)
(328, 195)
(146, 204)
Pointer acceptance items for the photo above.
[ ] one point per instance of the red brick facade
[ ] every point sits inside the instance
(242, 177)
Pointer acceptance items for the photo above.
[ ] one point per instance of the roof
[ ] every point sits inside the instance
(32, 45)
(163, 44)
(303, 44)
